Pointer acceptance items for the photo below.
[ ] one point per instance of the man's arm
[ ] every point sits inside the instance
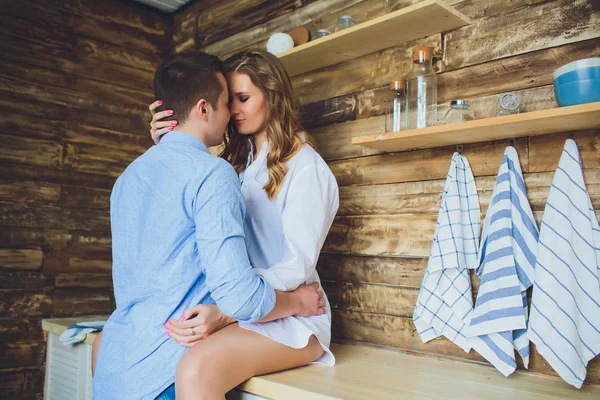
(219, 213)
(241, 294)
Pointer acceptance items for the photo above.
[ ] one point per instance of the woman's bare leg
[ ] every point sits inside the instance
(95, 348)
(232, 355)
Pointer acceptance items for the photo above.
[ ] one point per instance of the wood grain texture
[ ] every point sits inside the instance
(420, 165)
(82, 197)
(366, 72)
(15, 303)
(91, 281)
(327, 112)
(22, 383)
(225, 19)
(399, 271)
(15, 355)
(392, 29)
(44, 216)
(545, 151)
(283, 23)
(29, 191)
(28, 259)
(545, 25)
(75, 83)
(21, 330)
(392, 331)
(25, 280)
(73, 303)
(512, 73)
(575, 118)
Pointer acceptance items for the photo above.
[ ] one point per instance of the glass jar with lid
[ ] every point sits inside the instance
(344, 21)
(421, 90)
(508, 103)
(460, 111)
(321, 33)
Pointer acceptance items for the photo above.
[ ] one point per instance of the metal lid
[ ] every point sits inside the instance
(345, 18)
(460, 103)
(509, 101)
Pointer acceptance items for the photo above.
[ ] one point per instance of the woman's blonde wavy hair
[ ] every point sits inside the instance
(282, 120)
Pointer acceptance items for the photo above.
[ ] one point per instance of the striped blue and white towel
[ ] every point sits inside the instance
(506, 268)
(445, 301)
(565, 309)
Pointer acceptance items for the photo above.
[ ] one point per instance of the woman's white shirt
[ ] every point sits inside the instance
(285, 235)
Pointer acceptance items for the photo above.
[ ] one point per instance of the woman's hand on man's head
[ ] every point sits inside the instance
(158, 127)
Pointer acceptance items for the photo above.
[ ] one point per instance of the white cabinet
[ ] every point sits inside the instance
(68, 371)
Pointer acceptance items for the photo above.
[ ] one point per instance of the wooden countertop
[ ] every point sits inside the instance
(371, 373)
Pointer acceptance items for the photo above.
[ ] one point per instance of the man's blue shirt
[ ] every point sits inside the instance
(177, 219)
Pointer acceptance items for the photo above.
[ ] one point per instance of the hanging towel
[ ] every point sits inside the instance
(77, 332)
(506, 268)
(565, 307)
(445, 301)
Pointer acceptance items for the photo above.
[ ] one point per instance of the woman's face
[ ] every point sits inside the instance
(248, 108)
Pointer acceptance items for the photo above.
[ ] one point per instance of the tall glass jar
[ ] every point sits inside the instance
(395, 118)
(421, 90)
(344, 21)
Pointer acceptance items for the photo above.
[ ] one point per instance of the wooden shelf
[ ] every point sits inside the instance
(563, 119)
(414, 22)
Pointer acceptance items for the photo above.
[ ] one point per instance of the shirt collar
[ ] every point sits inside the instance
(179, 136)
(263, 150)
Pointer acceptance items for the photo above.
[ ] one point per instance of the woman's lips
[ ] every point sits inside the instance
(239, 121)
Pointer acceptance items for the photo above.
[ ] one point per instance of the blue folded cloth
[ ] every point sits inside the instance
(77, 332)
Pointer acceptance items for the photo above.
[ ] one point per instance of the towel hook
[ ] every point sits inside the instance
(459, 149)
(512, 142)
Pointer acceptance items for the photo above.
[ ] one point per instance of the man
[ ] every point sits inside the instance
(178, 239)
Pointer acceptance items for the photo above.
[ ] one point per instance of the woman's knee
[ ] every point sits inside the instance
(193, 364)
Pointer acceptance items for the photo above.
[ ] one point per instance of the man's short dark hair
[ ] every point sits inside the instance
(184, 79)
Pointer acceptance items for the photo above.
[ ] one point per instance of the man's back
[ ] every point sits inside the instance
(158, 268)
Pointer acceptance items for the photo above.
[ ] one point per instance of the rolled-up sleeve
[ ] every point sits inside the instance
(219, 213)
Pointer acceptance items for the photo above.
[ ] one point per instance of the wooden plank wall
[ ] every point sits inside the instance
(76, 78)
(374, 258)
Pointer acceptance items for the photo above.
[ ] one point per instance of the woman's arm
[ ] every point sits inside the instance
(203, 320)
(311, 203)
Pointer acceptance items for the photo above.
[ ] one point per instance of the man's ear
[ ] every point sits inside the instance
(201, 109)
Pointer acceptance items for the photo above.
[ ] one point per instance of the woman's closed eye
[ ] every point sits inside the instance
(243, 99)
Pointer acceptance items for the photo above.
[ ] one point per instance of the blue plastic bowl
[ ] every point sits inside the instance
(577, 82)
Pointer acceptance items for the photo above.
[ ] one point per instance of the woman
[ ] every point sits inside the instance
(291, 199)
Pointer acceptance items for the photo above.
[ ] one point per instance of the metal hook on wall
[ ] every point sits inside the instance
(459, 149)
(512, 142)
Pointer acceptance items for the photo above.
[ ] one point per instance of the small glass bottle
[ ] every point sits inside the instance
(387, 6)
(460, 111)
(321, 33)
(344, 21)
(421, 90)
(508, 103)
(395, 118)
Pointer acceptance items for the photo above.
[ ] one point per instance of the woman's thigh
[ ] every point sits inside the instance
(233, 355)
